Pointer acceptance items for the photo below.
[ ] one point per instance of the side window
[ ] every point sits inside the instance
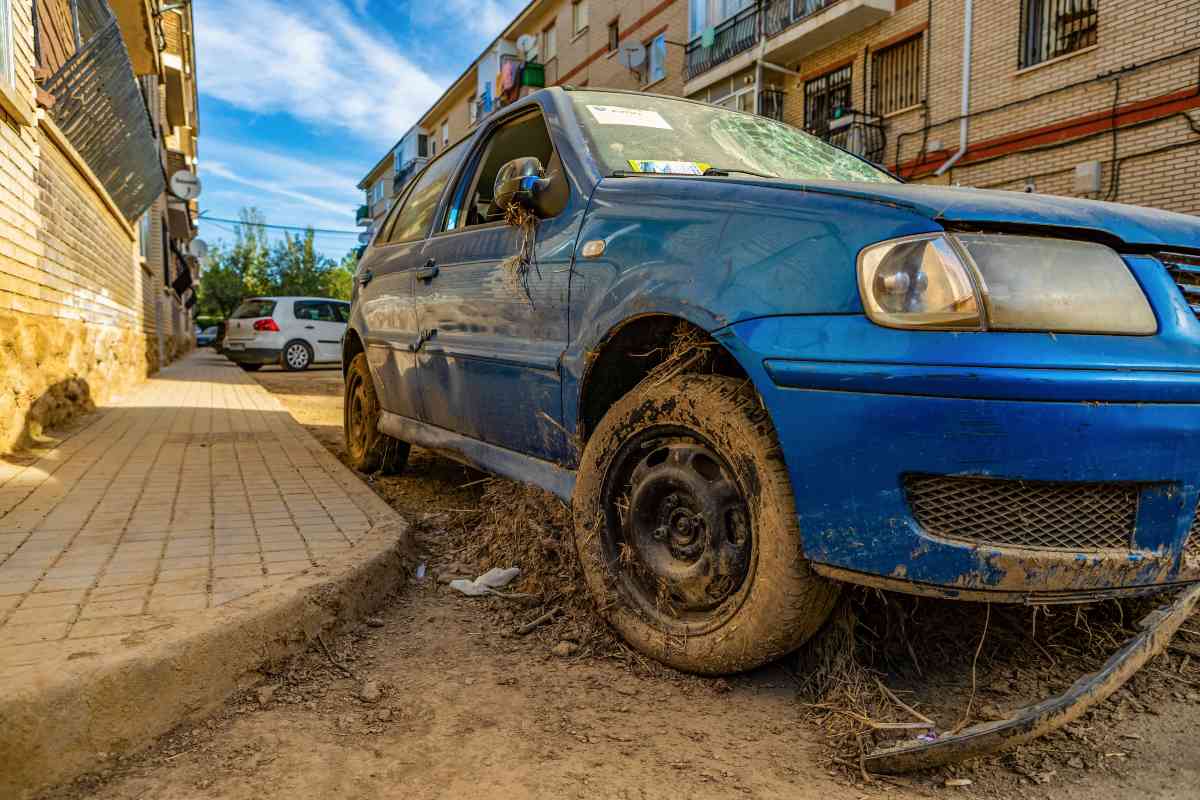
(526, 136)
(342, 311)
(417, 213)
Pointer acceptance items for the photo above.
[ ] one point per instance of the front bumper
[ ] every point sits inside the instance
(851, 432)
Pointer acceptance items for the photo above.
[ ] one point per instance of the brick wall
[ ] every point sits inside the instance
(73, 300)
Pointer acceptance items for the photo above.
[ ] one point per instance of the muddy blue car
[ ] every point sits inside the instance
(759, 368)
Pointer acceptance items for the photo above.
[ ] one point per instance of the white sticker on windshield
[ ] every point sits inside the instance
(636, 117)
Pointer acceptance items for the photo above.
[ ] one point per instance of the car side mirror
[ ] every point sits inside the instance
(523, 182)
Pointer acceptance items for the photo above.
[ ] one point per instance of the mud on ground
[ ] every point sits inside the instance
(440, 696)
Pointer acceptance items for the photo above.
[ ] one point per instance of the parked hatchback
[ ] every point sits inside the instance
(759, 368)
(293, 332)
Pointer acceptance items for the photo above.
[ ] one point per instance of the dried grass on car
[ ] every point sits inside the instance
(517, 266)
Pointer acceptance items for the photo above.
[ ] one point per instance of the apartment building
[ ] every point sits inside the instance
(1089, 98)
(98, 147)
(550, 43)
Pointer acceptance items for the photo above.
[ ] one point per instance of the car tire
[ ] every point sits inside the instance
(686, 529)
(251, 367)
(368, 449)
(296, 355)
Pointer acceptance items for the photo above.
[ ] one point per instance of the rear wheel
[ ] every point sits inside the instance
(369, 449)
(686, 528)
(251, 367)
(297, 355)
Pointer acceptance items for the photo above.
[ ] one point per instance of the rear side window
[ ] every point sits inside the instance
(343, 311)
(316, 310)
(417, 214)
(254, 308)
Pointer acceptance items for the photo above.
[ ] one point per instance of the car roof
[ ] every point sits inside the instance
(291, 297)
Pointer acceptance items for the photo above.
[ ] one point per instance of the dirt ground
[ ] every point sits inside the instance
(439, 697)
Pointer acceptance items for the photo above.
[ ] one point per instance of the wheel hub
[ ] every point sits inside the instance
(688, 527)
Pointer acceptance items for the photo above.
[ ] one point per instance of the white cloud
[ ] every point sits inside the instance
(313, 61)
(481, 19)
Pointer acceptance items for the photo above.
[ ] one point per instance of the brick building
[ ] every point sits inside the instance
(97, 111)
(1090, 98)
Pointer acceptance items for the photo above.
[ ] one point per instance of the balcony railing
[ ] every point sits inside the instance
(779, 15)
(861, 133)
(363, 215)
(406, 171)
(770, 104)
(735, 35)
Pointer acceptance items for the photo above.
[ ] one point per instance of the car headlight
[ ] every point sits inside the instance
(1001, 282)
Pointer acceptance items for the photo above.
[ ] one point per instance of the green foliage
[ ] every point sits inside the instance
(250, 266)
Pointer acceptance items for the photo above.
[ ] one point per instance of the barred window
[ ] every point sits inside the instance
(896, 76)
(1053, 28)
(826, 98)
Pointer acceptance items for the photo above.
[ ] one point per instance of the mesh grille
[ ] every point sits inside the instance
(1185, 270)
(1046, 514)
(1191, 547)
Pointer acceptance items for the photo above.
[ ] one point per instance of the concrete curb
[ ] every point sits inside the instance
(54, 726)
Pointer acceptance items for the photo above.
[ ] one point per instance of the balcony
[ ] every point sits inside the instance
(406, 171)
(733, 36)
(363, 216)
(793, 29)
(859, 133)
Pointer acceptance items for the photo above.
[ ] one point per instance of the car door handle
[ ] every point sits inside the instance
(429, 271)
(423, 337)
(309, 327)
(366, 277)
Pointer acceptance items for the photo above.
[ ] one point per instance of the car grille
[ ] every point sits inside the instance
(1052, 515)
(1185, 270)
(1191, 546)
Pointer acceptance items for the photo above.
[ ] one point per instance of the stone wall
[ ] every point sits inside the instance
(75, 326)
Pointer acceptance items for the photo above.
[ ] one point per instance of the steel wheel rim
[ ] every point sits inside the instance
(677, 535)
(297, 355)
(356, 413)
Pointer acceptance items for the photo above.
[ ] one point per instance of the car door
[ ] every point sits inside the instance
(385, 283)
(494, 331)
(321, 326)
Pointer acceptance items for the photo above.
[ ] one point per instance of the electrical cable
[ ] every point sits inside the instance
(302, 228)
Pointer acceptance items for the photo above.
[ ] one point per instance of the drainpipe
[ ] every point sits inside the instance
(968, 19)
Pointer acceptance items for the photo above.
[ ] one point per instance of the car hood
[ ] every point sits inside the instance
(1133, 225)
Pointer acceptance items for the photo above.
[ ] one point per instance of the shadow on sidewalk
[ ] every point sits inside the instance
(59, 409)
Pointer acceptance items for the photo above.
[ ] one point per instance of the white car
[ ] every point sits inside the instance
(292, 332)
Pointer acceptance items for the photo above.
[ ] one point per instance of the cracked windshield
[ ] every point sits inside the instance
(643, 133)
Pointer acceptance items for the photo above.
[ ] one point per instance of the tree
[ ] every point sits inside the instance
(338, 280)
(233, 273)
(296, 268)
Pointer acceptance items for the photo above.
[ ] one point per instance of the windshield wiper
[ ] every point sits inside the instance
(729, 170)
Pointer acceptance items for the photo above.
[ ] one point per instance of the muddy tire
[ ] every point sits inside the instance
(368, 448)
(686, 528)
(251, 367)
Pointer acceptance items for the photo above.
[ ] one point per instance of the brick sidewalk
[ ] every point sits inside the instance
(196, 489)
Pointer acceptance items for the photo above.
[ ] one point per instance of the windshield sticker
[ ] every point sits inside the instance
(669, 167)
(635, 117)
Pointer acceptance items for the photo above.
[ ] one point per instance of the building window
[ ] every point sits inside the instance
(445, 133)
(1053, 28)
(532, 53)
(472, 110)
(579, 16)
(896, 76)
(614, 35)
(7, 77)
(422, 145)
(145, 224)
(656, 59)
(711, 13)
(549, 43)
(826, 98)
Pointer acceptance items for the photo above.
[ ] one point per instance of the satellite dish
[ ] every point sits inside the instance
(526, 42)
(631, 54)
(185, 185)
(198, 248)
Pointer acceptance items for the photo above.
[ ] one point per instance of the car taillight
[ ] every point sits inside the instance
(266, 325)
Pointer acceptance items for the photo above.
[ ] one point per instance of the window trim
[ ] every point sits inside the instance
(10, 97)
(474, 161)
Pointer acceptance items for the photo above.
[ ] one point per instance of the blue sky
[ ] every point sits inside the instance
(299, 98)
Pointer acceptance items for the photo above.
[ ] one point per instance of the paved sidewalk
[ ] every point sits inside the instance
(197, 489)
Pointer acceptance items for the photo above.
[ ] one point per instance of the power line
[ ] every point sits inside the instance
(301, 228)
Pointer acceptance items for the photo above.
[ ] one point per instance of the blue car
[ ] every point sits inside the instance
(759, 368)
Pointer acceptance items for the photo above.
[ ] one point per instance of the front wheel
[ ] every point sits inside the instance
(686, 528)
(368, 448)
